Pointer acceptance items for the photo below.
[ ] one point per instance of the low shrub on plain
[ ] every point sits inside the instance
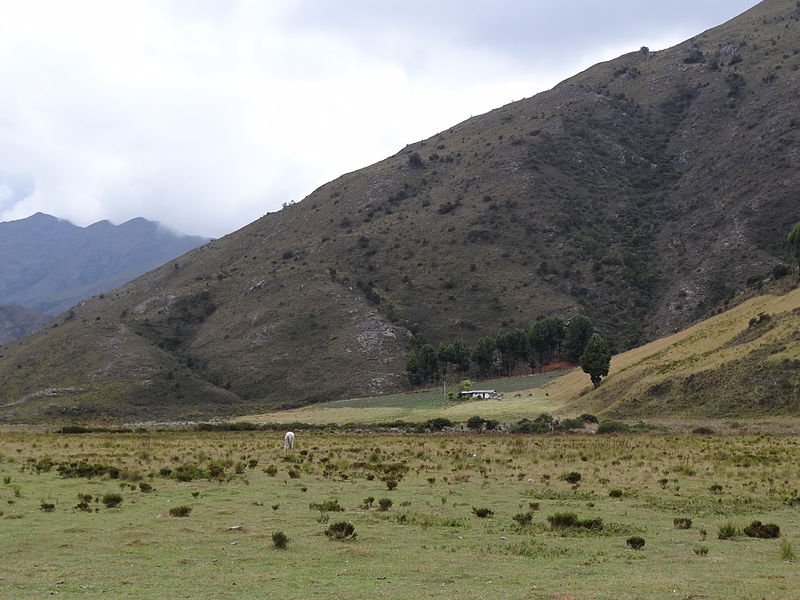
(280, 540)
(343, 530)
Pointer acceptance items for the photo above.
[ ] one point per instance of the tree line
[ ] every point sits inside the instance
(547, 340)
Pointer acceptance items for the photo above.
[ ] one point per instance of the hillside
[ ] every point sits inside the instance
(16, 321)
(50, 264)
(643, 192)
(744, 362)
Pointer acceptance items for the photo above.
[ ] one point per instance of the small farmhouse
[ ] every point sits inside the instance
(484, 394)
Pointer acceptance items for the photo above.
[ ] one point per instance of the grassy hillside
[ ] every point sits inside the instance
(644, 192)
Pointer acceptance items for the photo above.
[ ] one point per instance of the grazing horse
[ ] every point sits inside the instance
(288, 441)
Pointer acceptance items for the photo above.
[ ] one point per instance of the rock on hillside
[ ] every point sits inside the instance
(644, 192)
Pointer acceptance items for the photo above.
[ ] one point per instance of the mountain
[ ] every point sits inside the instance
(16, 321)
(645, 192)
(50, 264)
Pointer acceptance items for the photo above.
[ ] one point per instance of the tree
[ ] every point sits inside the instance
(596, 359)
(579, 331)
(794, 240)
(545, 337)
(513, 345)
(483, 354)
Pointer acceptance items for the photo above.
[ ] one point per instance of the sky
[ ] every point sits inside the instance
(207, 114)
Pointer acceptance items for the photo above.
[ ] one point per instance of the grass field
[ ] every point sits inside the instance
(429, 543)
(427, 404)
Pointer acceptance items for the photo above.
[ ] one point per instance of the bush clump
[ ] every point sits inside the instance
(343, 530)
(482, 512)
(635, 542)
(524, 519)
(682, 523)
(571, 520)
(280, 540)
(610, 426)
(757, 529)
(330, 505)
(573, 477)
(385, 504)
(727, 531)
(615, 493)
(111, 500)
(180, 511)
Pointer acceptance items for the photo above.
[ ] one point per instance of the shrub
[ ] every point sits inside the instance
(703, 431)
(727, 531)
(610, 426)
(757, 529)
(615, 493)
(279, 540)
(562, 520)
(482, 512)
(787, 552)
(145, 487)
(573, 477)
(570, 520)
(342, 530)
(111, 500)
(780, 271)
(682, 523)
(271, 470)
(367, 504)
(715, 488)
(180, 511)
(47, 506)
(700, 550)
(588, 418)
(635, 542)
(391, 484)
(330, 505)
(294, 474)
(415, 161)
(385, 503)
(523, 519)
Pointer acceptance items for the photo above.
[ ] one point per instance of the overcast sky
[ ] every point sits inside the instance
(207, 114)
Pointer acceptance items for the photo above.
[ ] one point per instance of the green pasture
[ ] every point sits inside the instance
(428, 404)
(429, 543)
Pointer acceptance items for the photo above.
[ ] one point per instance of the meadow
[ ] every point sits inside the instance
(478, 515)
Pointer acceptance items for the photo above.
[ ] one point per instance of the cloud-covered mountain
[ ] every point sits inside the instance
(49, 265)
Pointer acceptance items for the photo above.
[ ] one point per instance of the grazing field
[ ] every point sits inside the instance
(522, 397)
(435, 515)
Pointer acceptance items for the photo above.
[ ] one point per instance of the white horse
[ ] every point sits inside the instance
(288, 441)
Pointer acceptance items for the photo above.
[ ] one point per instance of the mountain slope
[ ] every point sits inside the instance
(16, 321)
(50, 264)
(644, 192)
(744, 362)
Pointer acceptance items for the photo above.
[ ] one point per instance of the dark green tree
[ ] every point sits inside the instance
(794, 240)
(513, 347)
(461, 356)
(483, 355)
(579, 331)
(596, 359)
(544, 338)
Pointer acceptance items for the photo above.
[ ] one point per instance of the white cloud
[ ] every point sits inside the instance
(205, 115)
